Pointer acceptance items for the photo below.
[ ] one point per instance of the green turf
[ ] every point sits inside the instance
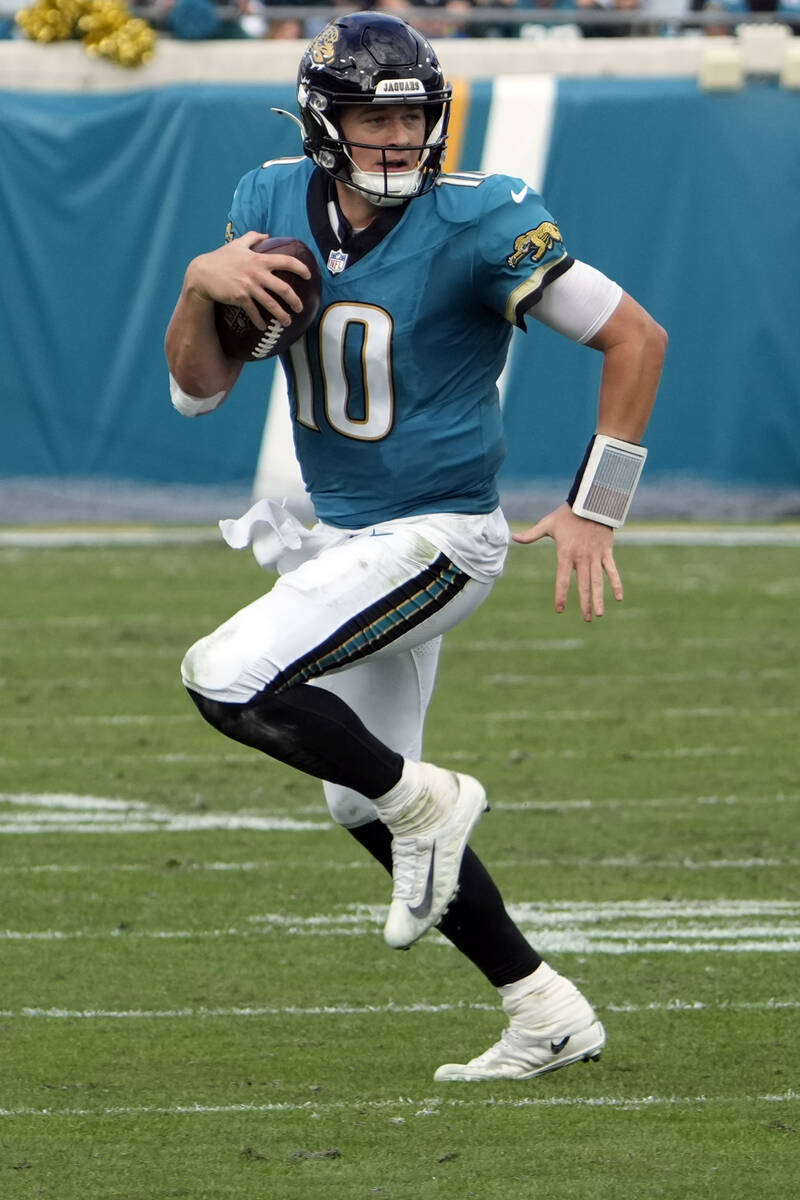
(191, 1005)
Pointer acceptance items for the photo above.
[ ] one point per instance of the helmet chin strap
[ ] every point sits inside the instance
(384, 189)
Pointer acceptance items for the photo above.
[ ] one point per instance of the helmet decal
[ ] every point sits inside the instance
(323, 48)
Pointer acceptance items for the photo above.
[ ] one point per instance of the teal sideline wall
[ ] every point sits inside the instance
(689, 200)
(692, 202)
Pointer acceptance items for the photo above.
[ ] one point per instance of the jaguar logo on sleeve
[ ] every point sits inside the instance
(534, 244)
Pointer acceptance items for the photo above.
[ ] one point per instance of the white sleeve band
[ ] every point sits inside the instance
(192, 406)
(578, 303)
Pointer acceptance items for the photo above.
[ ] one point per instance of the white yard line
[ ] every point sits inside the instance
(637, 802)
(78, 621)
(649, 678)
(247, 758)
(49, 812)
(627, 862)
(548, 941)
(365, 1010)
(720, 535)
(106, 719)
(428, 1106)
(632, 862)
(45, 812)
(638, 535)
(578, 927)
(174, 823)
(98, 536)
(639, 644)
(670, 714)
(177, 867)
(537, 714)
(667, 752)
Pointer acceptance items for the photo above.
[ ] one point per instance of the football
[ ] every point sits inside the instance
(241, 339)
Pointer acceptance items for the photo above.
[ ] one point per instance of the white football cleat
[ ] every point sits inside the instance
(549, 1029)
(425, 868)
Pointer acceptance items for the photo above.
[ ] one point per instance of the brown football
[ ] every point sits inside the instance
(241, 339)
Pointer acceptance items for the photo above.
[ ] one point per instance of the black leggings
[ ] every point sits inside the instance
(318, 733)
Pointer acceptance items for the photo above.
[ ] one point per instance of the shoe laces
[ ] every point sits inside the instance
(514, 1044)
(409, 856)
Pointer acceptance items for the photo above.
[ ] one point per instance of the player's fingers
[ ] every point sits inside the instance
(267, 275)
(254, 301)
(250, 238)
(277, 307)
(583, 576)
(597, 581)
(534, 534)
(563, 579)
(610, 568)
(262, 283)
(248, 305)
(285, 262)
(283, 293)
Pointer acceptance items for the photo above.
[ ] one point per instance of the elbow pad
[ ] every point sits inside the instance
(192, 406)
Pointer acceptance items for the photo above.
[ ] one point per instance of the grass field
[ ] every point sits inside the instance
(195, 997)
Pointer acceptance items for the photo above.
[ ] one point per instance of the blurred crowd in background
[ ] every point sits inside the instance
(199, 19)
(504, 18)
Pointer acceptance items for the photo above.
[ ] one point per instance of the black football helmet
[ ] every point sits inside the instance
(372, 58)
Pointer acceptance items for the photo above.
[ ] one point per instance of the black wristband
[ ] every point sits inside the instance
(576, 483)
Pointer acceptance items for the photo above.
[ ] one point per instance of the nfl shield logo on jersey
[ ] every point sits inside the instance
(337, 261)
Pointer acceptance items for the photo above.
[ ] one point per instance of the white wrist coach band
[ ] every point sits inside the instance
(604, 486)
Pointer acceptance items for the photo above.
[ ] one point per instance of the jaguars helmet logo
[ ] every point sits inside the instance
(229, 234)
(534, 244)
(323, 48)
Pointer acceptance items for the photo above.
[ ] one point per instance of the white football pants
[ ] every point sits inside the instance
(363, 619)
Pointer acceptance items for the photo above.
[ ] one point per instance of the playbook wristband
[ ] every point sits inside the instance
(606, 480)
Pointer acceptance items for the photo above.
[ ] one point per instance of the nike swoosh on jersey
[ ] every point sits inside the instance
(518, 197)
(424, 907)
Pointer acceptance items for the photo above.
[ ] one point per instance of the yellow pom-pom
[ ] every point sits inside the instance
(106, 27)
(50, 20)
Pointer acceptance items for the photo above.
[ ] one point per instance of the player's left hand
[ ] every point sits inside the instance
(585, 547)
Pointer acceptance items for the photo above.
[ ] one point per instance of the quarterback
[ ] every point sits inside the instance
(398, 431)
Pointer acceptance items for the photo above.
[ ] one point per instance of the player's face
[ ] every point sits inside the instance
(398, 128)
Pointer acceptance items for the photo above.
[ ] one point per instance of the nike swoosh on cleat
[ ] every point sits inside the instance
(557, 1047)
(518, 197)
(423, 909)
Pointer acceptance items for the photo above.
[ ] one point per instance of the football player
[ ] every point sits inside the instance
(398, 431)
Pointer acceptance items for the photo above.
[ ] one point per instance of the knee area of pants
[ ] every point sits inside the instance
(206, 667)
(189, 666)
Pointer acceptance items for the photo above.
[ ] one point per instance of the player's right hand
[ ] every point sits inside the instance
(233, 274)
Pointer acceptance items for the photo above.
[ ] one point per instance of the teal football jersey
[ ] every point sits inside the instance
(393, 389)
